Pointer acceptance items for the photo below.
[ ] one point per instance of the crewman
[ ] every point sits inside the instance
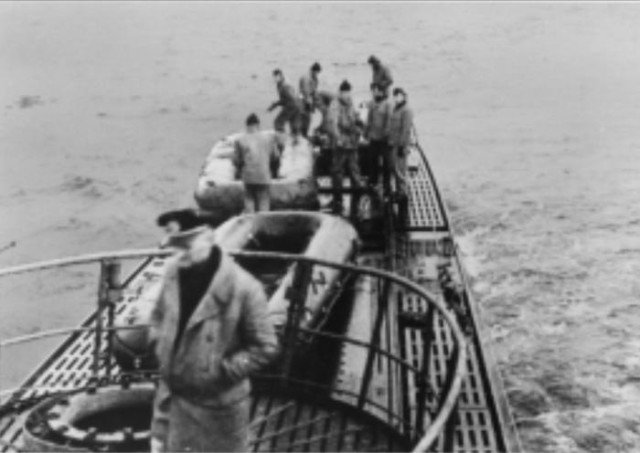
(381, 75)
(376, 133)
(347, 134)
(308, 89)
(211, 331)
(290, 104)
(324, 134)
(400, 125)
(256, 153)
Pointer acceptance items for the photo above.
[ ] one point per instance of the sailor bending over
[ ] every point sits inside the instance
(291, 108)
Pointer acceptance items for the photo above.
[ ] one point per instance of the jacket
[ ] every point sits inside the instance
(400, 125)
(377, 127)
(382, 77)
(254, 153)
(228, 337)
(344, 123)
(325, 103)
(308, 88)
(287, 98)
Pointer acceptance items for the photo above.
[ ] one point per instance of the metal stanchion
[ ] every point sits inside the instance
(297, 296)
(108, 293)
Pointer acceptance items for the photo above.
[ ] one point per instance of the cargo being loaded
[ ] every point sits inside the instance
(293, 186)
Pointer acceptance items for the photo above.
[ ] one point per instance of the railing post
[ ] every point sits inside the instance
(421, 380)
(383, 302)
(297, 296)
(450, 425)
(109, 289)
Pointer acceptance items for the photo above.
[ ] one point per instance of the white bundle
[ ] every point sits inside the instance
(296, 161)
(219, 165)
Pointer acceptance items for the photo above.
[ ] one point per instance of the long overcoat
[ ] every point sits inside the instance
(202, 402)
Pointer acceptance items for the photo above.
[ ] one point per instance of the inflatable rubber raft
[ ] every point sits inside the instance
(313, 235)
(112, 418)
(293, 187)
(310, 234)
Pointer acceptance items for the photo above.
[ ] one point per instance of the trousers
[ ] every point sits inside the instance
(377, 159)
(288, 115)
(341, 158)
(256, 198)
(305, 119)
(398, 163)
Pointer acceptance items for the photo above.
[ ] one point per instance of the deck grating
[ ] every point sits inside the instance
(425, 213)
(476, 429)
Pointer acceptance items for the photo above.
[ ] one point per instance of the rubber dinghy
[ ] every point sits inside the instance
(110, 418)
(294, 186)
(310, 234)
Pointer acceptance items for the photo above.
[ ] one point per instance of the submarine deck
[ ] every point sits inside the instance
(481, 422)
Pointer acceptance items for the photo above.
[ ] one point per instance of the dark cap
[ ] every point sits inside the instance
(252, 120)
(184, 239)
(316, 67)
(277, 72)
(186, 219)
(190, 226)
(373, 60)
(345, 86)
(399, 90)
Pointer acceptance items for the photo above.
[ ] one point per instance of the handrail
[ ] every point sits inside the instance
(55, 332)
(84, 259)
(446, 407)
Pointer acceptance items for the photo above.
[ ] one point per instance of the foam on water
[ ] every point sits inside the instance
(528, 113)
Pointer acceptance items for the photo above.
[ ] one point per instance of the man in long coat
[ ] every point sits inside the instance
(400, 126)
(344, 121)
(211, 331)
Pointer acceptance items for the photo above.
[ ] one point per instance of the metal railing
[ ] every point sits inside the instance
(419, 412)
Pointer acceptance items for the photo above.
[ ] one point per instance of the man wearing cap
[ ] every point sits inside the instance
(324, 133)
(347, 134)
(308, 89)
(400, 125)
(381, 74)
(254, 155)
(290, 104)
(211, 331)
(376, 132)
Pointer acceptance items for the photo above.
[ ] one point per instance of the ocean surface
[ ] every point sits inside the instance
(529, 114)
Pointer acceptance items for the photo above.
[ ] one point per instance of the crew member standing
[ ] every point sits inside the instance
(377, 134)
(308, 89)
(211, 330)
(347, 134)
(325, 132)
(254, 156)
(381, 74)
(400, 125)
(288, 101)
